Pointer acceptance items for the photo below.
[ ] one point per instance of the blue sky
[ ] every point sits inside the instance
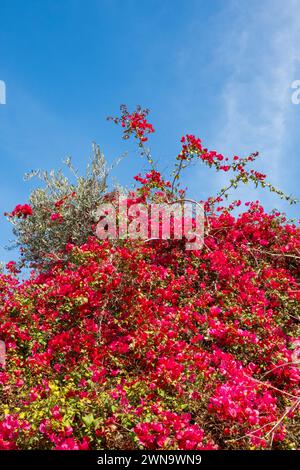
(220, 69)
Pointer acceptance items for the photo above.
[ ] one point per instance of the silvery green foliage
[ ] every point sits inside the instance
(43, 240)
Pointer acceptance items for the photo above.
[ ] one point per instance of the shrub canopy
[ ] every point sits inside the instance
(142, 344)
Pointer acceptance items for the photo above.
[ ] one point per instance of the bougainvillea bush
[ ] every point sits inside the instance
(142, 344)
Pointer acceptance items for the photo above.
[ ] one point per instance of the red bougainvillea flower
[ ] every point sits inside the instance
(21, 211)
(56, 217)
(11, 267)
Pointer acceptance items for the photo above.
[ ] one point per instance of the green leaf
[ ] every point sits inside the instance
(88, 419)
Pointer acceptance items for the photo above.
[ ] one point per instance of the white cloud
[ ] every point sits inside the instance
(261, 52)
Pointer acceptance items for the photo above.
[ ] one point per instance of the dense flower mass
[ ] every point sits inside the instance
(144, 345)
(153, 346)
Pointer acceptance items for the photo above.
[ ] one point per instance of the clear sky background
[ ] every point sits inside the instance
(220, 69)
